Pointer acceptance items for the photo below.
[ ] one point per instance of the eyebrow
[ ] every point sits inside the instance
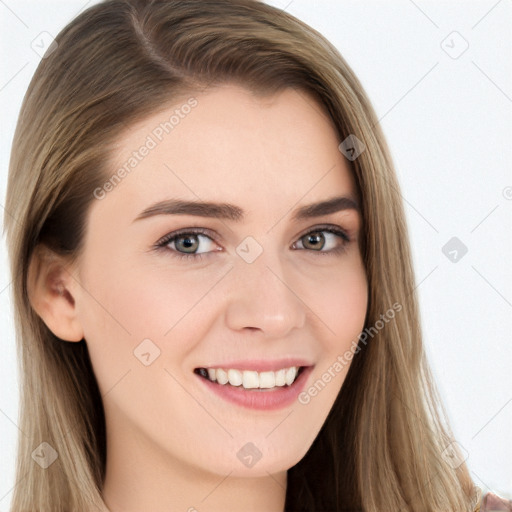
(234, 213)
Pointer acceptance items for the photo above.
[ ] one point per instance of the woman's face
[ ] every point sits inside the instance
(258, 288)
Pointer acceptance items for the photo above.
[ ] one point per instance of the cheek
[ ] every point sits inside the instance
(137, 300)
(342, 310)
(155, 298)
(341, 315)
(125, 305)
(341, 305)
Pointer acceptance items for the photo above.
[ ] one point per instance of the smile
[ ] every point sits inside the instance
(267, 390)
(252, 379)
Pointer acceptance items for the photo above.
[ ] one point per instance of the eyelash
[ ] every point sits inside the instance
(172, 237)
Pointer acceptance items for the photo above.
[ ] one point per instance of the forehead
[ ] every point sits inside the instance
(227, 144)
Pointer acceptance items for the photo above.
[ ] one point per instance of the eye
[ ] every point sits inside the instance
(186, 242)
(316, 240)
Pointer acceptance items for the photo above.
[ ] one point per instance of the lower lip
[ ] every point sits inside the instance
(263, 400)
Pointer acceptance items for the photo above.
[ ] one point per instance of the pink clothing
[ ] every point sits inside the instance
(493, 503)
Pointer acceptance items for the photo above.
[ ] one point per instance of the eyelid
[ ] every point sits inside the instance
(335, 229)
(185, 231)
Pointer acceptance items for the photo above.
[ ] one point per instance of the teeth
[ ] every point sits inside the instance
(250, 380)
(281, 378)
(253, 379)
(235, 377)
(268, 379)
(221, 376)
(291, 373)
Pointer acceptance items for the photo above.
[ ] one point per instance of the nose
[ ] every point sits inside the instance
(260, 297)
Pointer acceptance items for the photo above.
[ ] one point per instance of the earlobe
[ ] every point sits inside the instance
(52, 293)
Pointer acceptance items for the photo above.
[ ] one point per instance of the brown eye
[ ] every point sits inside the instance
(334, 238)
(313, 240)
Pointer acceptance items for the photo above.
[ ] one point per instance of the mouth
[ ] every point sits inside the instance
(252, 380)
(263, 391)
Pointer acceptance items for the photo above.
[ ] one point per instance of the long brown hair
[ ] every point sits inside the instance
(381, 447)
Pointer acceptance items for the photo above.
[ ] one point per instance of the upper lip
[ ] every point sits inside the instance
(261, 365)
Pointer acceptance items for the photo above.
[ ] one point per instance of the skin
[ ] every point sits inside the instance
(172, 444)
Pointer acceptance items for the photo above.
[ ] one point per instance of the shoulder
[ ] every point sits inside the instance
(493, 503)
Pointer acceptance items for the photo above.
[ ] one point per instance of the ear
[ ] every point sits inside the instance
(51, 290)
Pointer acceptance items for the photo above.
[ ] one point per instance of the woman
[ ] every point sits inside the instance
(278, 368)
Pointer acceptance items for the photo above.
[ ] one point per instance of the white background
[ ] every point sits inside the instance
(448, 122)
